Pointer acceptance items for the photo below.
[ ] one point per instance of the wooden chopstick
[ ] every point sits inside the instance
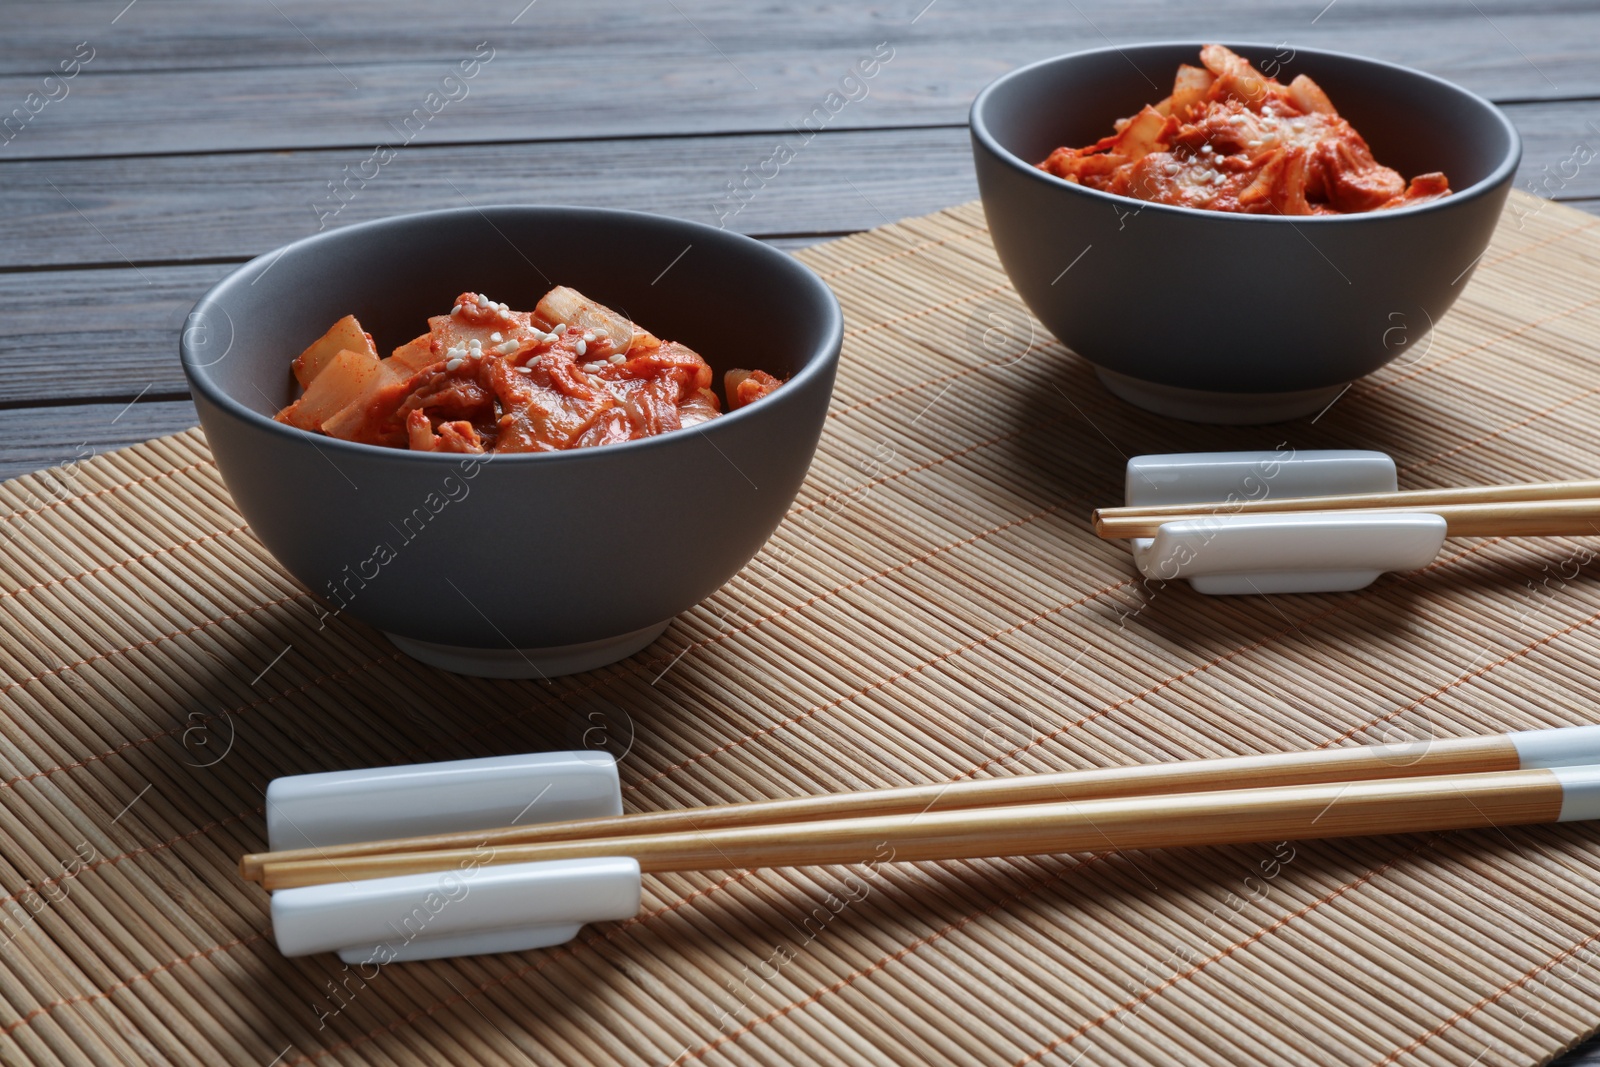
(1518, 518)
(1330, 809)
(1409, 498)
(1439, 756)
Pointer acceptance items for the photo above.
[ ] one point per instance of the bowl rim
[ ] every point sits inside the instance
(1485, 186)
(824, 355)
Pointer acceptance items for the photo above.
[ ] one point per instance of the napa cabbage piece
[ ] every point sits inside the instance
(1229, 138)
(572, 373)
(344, 335)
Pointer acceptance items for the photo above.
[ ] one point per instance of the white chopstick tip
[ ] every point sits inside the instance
(1580, 793)
(1565, 746)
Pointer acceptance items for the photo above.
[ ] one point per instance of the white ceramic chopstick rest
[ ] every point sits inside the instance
(338, 807)
(501, 908)
(1285, 552)
(480, 908)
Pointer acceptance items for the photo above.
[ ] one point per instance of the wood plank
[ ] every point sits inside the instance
(1499, 48)
(107, 212)
(517, 97)
(163, 209)
(120, 343)
(1560, 149)
(61, 436)
(121, 338)
(704, 67)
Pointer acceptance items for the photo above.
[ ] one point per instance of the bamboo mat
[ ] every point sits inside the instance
(934, 608)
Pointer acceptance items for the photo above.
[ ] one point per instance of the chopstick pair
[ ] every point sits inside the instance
(1518, 778)
(1536, 509)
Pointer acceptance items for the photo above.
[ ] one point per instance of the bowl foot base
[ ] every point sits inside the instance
(1201, 405)
(550, 662)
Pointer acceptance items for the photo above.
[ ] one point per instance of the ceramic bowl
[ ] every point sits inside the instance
(516, 565)
(1221, 317)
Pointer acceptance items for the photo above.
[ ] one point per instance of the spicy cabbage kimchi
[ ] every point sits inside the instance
(1229, 138)
(569, 374)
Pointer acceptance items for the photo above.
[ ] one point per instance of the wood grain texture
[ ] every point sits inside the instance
(1182, 820)
(1468, 42)
(66, 435)
(120, 339)
(179, 208)
(310, 76)
(1519, 518)
(1131, 520)
(166, 209)
(1453, 756)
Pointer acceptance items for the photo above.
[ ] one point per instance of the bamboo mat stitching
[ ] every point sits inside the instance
(1461, 1016)
(881, 681)
(92, 494)
(1177, 979)
(1502, 431)
(1481, 346)
(1165, 683)
(920, 385)
(638, 920)
(921, 246)
(648, 664)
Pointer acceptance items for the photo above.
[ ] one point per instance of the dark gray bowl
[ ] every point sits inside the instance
(516, 565)
(1235, 318)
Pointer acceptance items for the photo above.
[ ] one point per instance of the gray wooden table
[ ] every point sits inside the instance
(148, 146)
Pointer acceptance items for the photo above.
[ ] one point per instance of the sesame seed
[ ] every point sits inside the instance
(1206, 148)
(591, 367)
(453, 364)
(618, 358)
(583, 347)
(599, 332)
(588, 335)
(474, 343)
(524, 370)
(558, 329)
(456, 310)
(1255, 144)
(496, 336)
(507, 348)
